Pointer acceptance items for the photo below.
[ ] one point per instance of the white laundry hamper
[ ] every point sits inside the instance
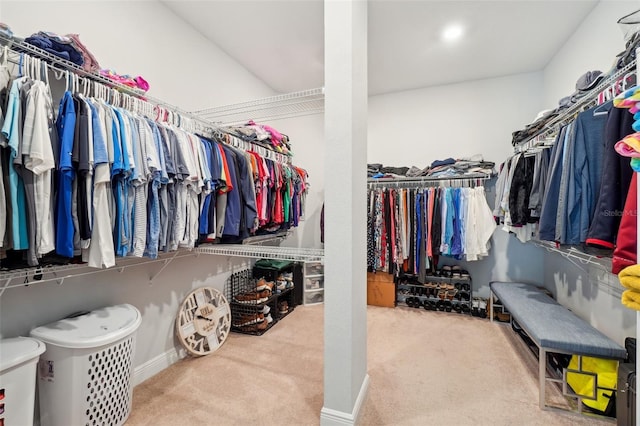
(18, 362)
(85, 375)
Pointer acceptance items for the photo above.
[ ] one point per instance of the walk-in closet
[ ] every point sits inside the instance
(319, 212)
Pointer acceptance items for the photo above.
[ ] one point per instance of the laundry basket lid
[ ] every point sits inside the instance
(92, 329)
(16, 350)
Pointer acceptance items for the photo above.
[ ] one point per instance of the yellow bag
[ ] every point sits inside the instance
(582, 384)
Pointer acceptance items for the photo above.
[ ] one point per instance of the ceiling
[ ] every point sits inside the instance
(282, 41)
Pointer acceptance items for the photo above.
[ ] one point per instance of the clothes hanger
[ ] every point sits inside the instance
(598, 111)
(5, 56)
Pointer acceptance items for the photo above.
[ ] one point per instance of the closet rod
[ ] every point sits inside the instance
(587, 101)
(381, 181)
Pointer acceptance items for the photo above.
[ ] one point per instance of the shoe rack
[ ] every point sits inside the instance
(257, 304)
(446, 292)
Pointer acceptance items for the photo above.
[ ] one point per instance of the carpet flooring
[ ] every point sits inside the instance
(425, 368)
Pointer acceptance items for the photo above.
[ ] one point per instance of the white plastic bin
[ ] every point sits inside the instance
(18, 361)
(85, 375)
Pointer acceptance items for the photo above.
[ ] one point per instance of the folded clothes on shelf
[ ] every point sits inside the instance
(61, 46)
(448, 167)
(127, 80)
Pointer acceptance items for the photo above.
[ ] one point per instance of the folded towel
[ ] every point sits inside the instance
(631, 299)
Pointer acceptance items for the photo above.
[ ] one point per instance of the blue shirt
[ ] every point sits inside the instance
(100, 154)
(234, 208)
(65, 124)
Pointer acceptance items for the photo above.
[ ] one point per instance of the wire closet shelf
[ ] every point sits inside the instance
(544, 138)
(587, 101)
(295, 104)
(198, 123)
(61, 64)
(279, 253)
(59, 273)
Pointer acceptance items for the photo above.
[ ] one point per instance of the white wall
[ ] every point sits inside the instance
(592, 293)
(144, 38)
(416, 127)
(593, 46)
(182, 68)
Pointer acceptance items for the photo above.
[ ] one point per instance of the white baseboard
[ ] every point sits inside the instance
(156, 365)
(331, 417)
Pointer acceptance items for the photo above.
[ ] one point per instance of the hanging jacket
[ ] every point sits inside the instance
(547, 230)
(520, 190)
(625, 252)
(614, 183)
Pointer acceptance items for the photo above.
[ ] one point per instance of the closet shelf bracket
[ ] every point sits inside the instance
(574, 256)
(58, 274)
(4, 286)
(165, 263)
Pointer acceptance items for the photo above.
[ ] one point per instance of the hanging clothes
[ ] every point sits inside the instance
(429, 222)
(128, 185)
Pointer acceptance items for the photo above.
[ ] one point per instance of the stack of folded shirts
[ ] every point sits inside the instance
(60, 46)
(448, 167)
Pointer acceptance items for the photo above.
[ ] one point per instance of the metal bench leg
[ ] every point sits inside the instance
(491, 304)
(542, 366)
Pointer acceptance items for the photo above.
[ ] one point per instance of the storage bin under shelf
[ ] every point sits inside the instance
(312, 297)
(313, 282)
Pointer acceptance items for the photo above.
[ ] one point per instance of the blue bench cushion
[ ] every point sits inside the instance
(551, 325)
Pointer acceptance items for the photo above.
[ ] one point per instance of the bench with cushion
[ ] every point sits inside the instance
(553, 328)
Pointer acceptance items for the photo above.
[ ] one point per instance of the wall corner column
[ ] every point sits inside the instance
(345, 309)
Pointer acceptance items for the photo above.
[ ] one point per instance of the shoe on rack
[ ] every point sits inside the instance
(269, 319)
(482, 308)
(266, 309)
(455, 271)
(263, 284)
(446, 271)
(248, 319)
(253, 297)
(256, 327)
(288, 276)
(475, 304)
(283, 307)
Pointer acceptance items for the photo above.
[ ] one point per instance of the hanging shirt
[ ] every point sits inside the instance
(12, 130)
(39, 159)
(101, 252)
(65, 124)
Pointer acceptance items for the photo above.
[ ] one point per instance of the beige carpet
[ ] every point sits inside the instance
(425, 368)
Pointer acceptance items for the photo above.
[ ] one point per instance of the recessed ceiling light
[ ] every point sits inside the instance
(452, 32)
